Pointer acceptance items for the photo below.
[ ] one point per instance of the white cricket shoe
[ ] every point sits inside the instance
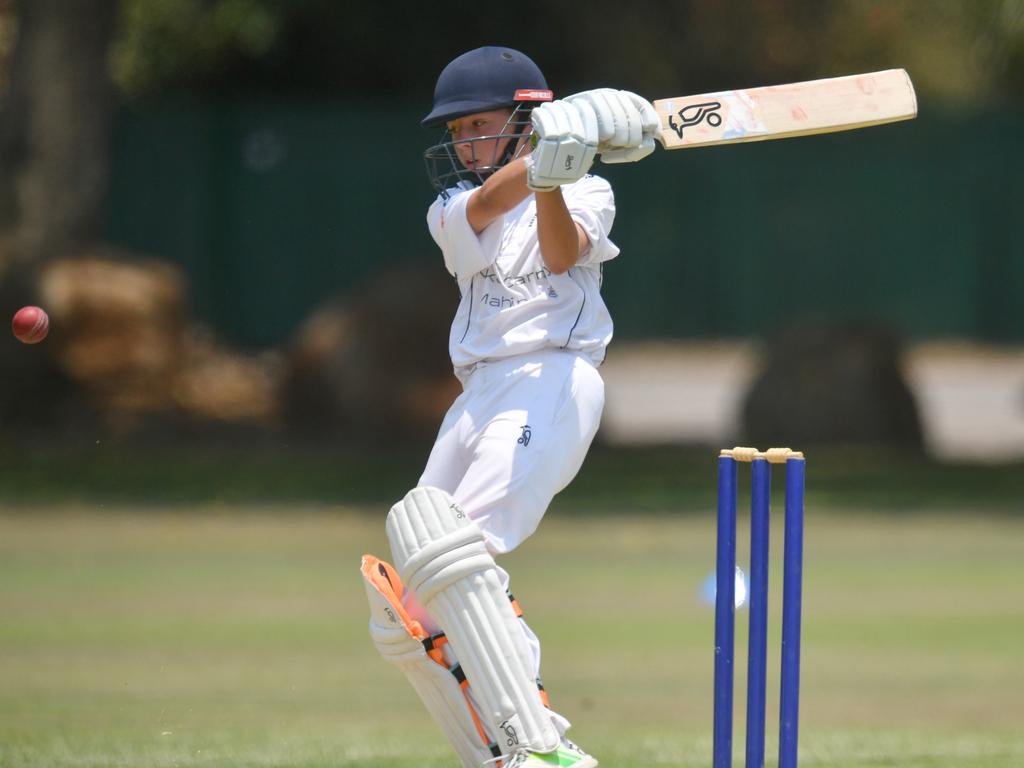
(567, 755)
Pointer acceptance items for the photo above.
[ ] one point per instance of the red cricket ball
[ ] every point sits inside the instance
(30, 325)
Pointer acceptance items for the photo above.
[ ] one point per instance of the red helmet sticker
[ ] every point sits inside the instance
(527, 94)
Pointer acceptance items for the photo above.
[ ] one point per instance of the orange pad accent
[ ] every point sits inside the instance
(515, 606)
(386, 581)
(403, 641)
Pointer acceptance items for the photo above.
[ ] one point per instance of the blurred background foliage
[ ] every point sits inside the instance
(219, 200)
(964, 53)
(176, 44)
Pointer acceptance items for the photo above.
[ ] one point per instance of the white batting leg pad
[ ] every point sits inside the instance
(400, 640)
(441, 556)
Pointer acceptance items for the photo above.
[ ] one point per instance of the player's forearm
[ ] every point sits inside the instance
(561, 239)
(500, 193)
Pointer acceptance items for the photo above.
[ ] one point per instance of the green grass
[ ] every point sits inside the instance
(235, 636)
(667, 478)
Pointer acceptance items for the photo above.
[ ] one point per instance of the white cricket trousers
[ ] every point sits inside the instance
(515, 437)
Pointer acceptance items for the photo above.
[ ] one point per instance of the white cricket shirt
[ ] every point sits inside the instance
(512, 304)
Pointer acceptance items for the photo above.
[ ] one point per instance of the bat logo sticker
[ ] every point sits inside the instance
(695, 114)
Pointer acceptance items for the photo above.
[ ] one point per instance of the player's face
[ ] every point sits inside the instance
(482, 153)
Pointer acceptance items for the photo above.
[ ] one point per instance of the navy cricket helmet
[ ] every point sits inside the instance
(484, 79)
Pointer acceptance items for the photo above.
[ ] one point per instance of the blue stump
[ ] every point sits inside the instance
(725, 607)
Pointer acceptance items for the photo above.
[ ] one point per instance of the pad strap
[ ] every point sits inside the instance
(434, 643)
(442, 557)
(402, 641)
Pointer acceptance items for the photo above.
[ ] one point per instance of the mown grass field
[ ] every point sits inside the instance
(233, 634)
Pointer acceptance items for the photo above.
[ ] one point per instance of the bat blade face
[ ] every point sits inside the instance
(782, 111)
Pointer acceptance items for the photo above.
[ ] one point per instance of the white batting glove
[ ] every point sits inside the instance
(627, 123)
(565, 143)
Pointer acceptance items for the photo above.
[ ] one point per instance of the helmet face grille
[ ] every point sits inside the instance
(489, 153)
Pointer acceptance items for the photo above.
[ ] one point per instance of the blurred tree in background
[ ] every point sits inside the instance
(57, 58)
(963, 51)
(66, 67)
(195, 43)
(55, 116)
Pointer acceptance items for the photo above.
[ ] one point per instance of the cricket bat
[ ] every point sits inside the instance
(782, 111)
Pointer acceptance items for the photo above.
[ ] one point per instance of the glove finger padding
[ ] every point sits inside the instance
(549, 120)
(629, 130)
(628, 154)
(587, 124)
(612, 120)
(624, 118)
(649, 121)
(565, 143)
(628, 124)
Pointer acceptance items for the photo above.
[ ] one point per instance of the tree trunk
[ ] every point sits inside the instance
(55, 128)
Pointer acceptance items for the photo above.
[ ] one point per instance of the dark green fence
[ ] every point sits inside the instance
(272, 208)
